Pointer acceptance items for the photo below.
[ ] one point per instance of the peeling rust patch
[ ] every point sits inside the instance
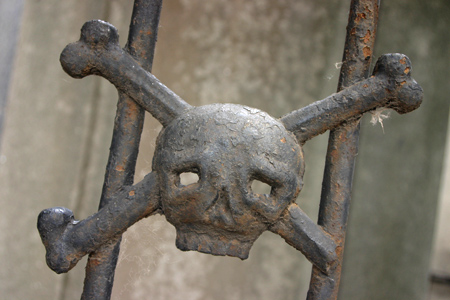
(367, 37)
(359, 17)
(367, 52)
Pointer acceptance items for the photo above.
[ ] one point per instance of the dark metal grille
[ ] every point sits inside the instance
(228, 147)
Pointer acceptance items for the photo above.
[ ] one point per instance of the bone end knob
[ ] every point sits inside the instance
(407, 93)
(99, 34)
(80, 59)
(52, 224)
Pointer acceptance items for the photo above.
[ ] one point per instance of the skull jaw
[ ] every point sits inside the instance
(217, 242)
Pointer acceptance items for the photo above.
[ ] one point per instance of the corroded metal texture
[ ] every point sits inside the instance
(228, 147)
(391, 86)
(98, 53)
(343, 142)
(124, 146)
(68, 240)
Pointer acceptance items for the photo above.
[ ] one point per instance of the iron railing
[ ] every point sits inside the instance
(228, 146)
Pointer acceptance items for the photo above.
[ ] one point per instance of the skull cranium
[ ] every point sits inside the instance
(228, 146)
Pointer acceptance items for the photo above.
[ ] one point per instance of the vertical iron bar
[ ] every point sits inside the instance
(343, 145)
(124, 148)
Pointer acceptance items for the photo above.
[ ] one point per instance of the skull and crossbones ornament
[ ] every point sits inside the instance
(228, 146)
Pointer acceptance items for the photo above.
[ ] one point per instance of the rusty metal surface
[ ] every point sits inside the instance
(68, 240)
(343, 143)
(98, 53)
(391, 81)
(124, 146)
(228, 147)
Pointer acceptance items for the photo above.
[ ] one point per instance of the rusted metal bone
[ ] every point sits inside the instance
(67, 241)
(98, 52)
(220, 214)
(128, 125)
(299, 231)
(391, 86)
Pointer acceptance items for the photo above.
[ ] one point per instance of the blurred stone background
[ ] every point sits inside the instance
(274, 55)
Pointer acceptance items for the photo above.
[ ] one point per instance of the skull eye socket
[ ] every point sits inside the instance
(187, 175)
(261, 187)
(188, 178)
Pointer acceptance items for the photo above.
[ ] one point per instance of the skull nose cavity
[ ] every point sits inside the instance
(226, 208)
(222, 217)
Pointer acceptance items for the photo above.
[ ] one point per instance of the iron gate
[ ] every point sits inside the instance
(227, 146)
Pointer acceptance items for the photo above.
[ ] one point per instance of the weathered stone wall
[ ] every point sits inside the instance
(273, 55)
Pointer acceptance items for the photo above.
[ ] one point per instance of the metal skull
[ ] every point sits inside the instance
(228, 146)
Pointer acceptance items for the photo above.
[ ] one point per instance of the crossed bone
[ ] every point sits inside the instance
(98, 52)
